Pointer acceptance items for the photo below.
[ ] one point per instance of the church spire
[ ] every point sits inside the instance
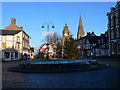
(80, 29)
(80, 22)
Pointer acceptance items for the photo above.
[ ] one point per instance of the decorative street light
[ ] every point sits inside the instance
(48, 26)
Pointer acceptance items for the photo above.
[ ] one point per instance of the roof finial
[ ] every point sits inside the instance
(65, 23)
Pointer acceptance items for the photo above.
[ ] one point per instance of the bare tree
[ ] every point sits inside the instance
(55, 40)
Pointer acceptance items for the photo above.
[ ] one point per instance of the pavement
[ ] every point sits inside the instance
(105, 78)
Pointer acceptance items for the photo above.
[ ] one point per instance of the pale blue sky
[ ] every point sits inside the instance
(32, 15)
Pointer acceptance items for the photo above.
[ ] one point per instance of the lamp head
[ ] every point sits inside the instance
(53, 26)
(42, 26)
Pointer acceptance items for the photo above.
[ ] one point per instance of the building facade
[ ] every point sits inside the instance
(14, 42)
(92, 45)
(101, 48)
(114, 30)
(31, 53)
(51, 52)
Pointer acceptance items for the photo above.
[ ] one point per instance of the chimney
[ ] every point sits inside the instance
(92, 32)
(13, 21)
(88, 33)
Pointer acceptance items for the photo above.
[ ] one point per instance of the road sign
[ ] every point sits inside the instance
(78, 47)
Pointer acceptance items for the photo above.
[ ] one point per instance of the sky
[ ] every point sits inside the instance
(32, 15)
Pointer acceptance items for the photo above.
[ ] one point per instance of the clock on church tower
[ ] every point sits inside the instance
(65, 34)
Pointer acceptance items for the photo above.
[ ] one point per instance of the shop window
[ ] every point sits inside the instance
(7, 54)
(16, 54)
(12, 56)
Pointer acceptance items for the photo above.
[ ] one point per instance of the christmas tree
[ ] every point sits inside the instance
(70, 49)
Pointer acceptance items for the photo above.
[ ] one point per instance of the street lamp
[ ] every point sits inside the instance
(52, 26)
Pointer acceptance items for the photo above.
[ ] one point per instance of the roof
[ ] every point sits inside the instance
(12, 29)
(92, 39)
(13, 25)
(26, 33)
(47, 44)
(9, 32)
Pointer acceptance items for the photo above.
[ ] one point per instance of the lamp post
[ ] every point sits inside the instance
(48, 26)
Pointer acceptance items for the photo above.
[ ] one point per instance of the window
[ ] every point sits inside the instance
(102, 40)
(18, 39)
(12, 55)
(112, 35)
(118, 34)
(112, 23)
(17, 46)
(3, 38)
(118, 46)
(3, 44)
(98, 41)
(117, 20)
(16, 54)
(113, 47)
(7, 54)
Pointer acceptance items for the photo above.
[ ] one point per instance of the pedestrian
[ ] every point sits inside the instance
(25, 56)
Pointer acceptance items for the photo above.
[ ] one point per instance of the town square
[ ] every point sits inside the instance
(60, 45)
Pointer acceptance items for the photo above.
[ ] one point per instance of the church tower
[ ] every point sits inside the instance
(80, 33)
(65, 37)
(65, 34)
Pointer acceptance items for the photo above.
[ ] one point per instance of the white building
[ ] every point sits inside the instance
(51, 51)
(14, 42)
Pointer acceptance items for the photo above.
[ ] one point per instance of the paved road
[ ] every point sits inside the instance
(105, 78)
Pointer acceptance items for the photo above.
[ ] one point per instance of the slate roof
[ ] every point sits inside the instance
(9, 32)
(93, 39)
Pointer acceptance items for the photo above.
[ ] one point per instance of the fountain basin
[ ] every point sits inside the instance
(57, 66)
